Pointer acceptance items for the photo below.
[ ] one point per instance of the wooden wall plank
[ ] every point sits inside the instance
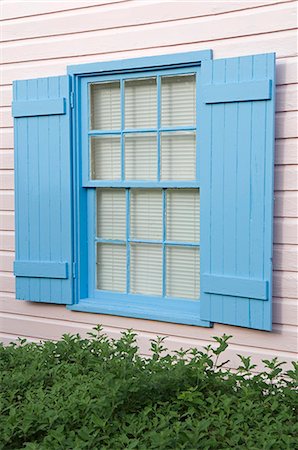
(286, 124)
(19, 8)
(285, 257)
(286, 204)
(47, 328)
(159, 35)
(6, 179)
(286, 151)
(283, 43)
(287, 98)
(7, 240)
(285, 284)
(7, 282)
(286, 178)
(6, 261)
(128, 14)
(7, 201)
(6, 159)
(6, 220)
(285, 230)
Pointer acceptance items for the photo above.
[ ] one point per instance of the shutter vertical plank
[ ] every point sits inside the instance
(43, 174)
(55, 177)
(217, 212)
(34, 189)
(257, 176)
(237, 208)
(22, 189)
(205, 142)
(66, 195)
(229, 188)
(243, 189)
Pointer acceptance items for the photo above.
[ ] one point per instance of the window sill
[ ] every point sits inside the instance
(165, 310)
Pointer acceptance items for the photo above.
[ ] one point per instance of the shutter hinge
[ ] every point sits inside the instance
(73, 270)
(72, 99)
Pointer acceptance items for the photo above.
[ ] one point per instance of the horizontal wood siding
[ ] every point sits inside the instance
(41, 38)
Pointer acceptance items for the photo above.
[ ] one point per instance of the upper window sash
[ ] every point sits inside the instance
(85, 132)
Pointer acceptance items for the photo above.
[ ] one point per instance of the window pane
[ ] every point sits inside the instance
(111, 267)
(183, 272)
(111, 213)
(146, 269)
(140, 103)
(105, 106)
(105, 158)
(146, 214)
(178, 156)
(140, 156)
(183, 215)
(178, 95)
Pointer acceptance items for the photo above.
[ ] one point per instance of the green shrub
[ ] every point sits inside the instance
(100, 394)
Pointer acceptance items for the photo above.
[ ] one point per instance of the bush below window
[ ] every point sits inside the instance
(100, 394)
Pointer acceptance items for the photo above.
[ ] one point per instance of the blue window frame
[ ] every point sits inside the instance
(161, 305)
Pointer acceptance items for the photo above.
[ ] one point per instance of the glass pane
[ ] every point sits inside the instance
(140, 103)
(178, 101)
(146, 269)
(105, 158)
(111, 267)
(140, 156)
(178, 156)
(111, 213)
(105, 106)
(183, 215)
(146, 214)
(183, 272)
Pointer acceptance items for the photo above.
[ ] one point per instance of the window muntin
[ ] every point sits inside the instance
(143, 169)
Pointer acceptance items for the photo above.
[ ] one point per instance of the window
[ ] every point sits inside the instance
(144, 188)
(142, 135)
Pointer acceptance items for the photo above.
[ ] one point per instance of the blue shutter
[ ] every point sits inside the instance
(43, 265)
(237, 157)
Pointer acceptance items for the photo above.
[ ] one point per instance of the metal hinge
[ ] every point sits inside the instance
(72, 99)
(74, 270)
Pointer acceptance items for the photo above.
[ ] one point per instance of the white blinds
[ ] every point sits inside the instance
(111, 267)
(146, 269)
(105, 158)
(183, 215)
(105, 106)
(129, 127)
(178, 100)
(178, 156)
(111, 214)
(140, 103)
(146, 214)
(140, 157)
(183, 272)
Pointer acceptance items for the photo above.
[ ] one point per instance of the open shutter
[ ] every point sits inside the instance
(43, 265)
(237, 157)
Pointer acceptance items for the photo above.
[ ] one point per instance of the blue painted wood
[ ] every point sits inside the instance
(33, 108)
(237, 194)
(143, 307)
(41, 269)
(146, 63)
(159, 308)
(237, 92)
(43, 193)
(142, 184)
(238, 287)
